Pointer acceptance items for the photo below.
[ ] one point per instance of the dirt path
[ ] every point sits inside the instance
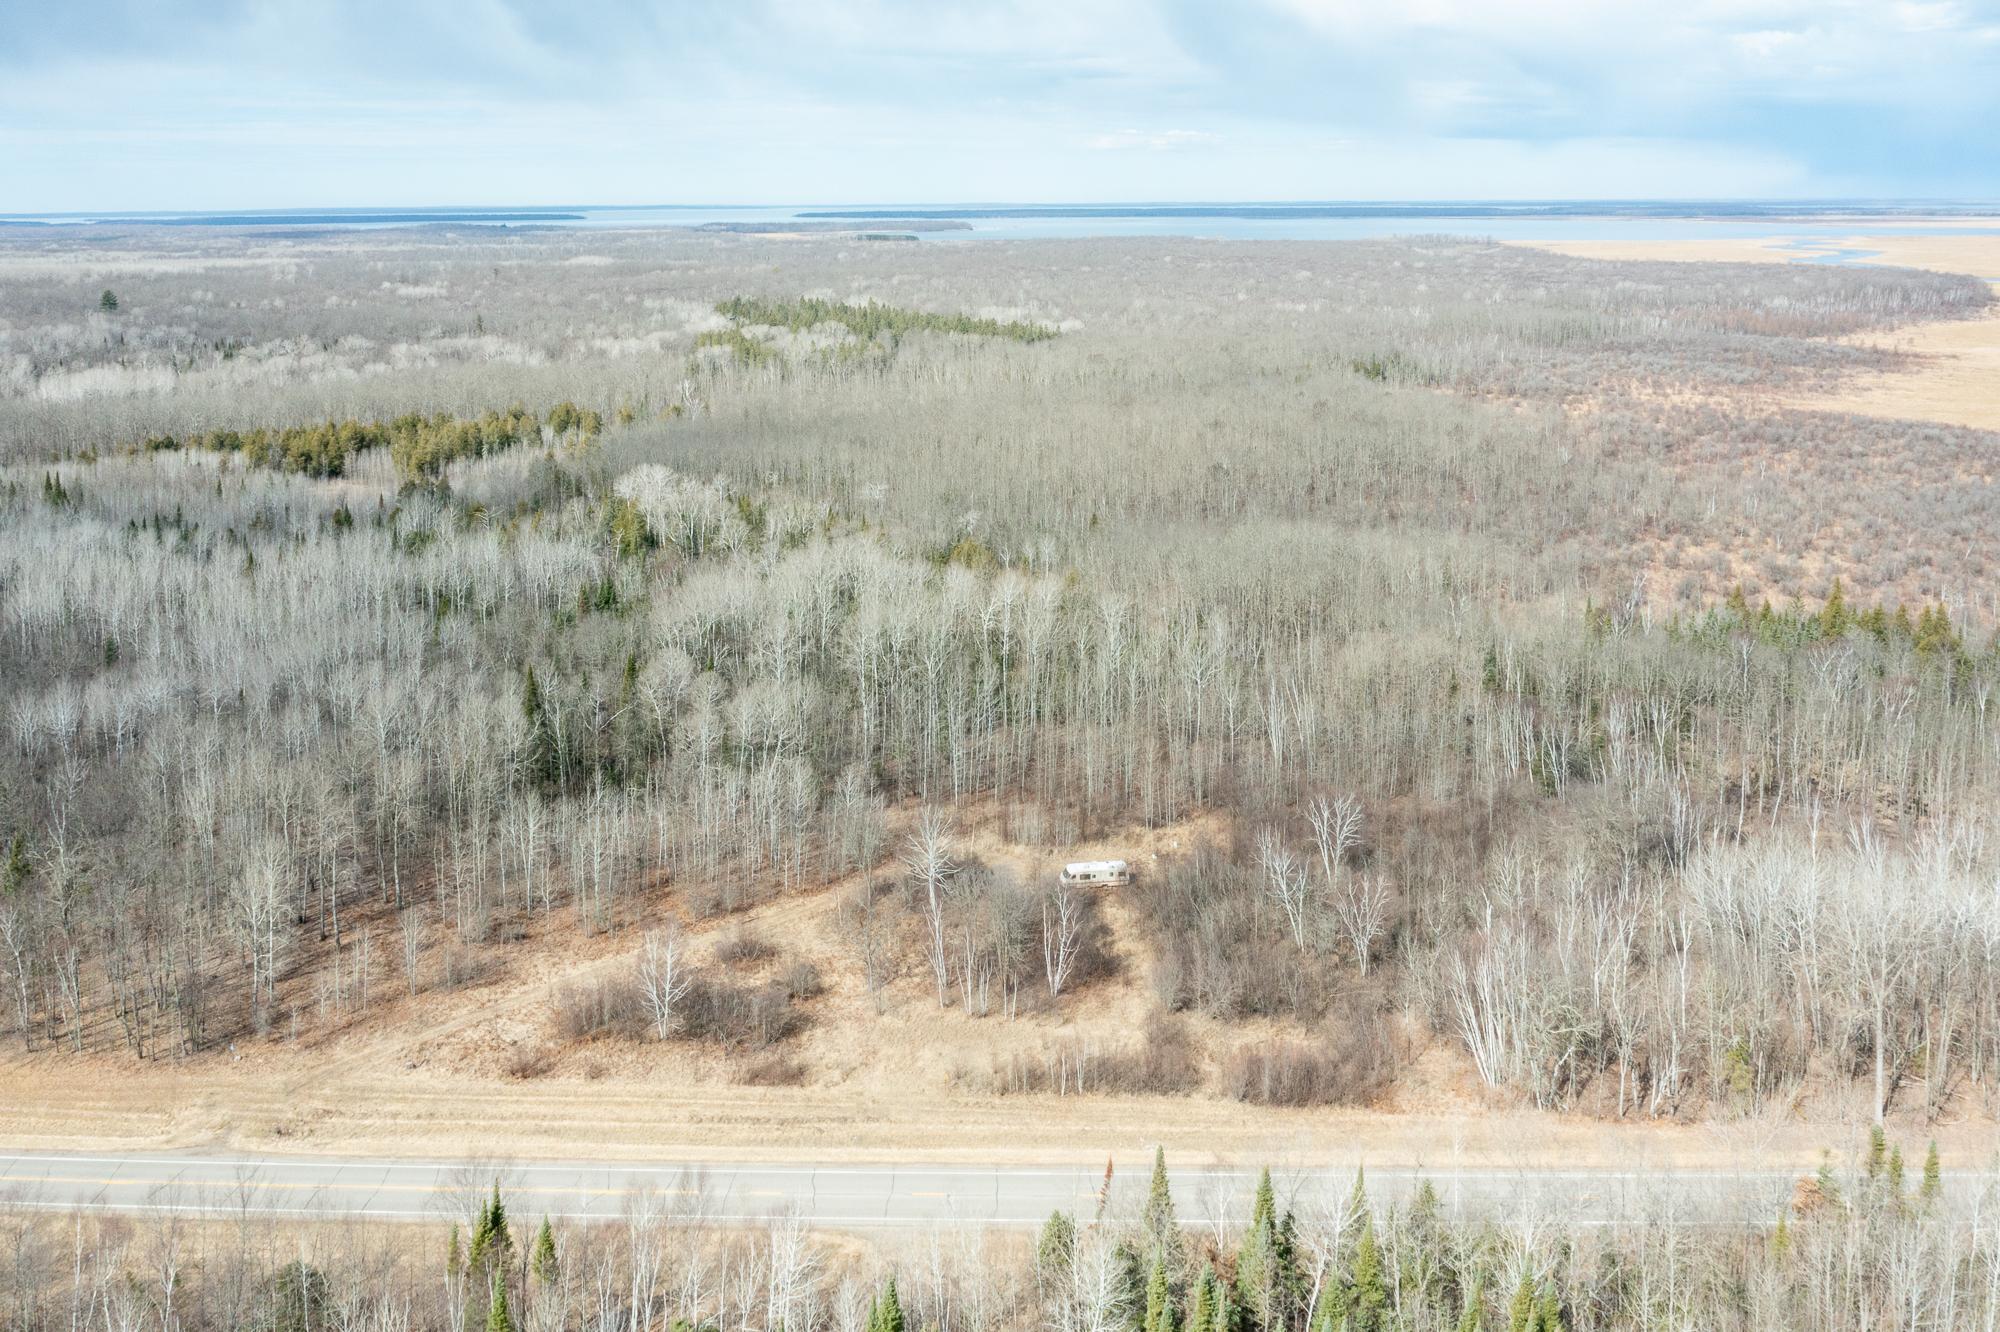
(353, 1114)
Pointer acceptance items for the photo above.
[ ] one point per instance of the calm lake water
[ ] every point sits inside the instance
(1616, 221)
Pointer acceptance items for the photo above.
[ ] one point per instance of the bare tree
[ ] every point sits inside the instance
(1362, 907)
(1336, 826)
(1062, 936)
(927, 854)
(663, 977)
(1285, 882)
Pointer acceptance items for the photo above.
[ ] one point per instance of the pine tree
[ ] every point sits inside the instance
(454, 1256)
(1833, 617)
(1264, 1211)
(1288, 1282)
(1472, 1318)
(1223, 1317)
(889, 1317)
(16, 872)
(1781, 1238)
(1548, 1313)
(499, 1318)
(541, 743)
(1160, 1224)
(1895, 1173)
(1933, 1184)
(492, 1244)
(1201, 1304)
(543, 1262)
(1521, 1311)
(1057, 1248)
(1160, 1314)
(1368, 1293)
(108, 302)
(1824, 1180)
(1257, 1260)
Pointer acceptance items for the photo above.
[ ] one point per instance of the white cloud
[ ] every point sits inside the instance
(379, 101)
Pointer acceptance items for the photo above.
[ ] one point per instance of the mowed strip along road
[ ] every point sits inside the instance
(839, 1196)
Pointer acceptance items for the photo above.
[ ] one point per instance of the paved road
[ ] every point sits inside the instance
(829, 1195)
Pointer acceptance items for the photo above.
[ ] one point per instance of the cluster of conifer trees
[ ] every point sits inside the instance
(421, 446)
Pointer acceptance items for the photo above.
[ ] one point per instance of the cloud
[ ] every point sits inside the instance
(189, 103)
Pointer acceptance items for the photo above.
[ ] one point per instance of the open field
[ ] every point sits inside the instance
(1951, 368)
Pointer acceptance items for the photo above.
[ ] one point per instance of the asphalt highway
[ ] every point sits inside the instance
(835, 1196)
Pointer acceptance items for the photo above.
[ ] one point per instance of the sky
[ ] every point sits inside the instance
(231, 104)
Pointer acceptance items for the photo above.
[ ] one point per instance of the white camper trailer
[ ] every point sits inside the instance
(1080, 872)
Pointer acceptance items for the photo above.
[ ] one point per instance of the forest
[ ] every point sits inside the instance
(1538, 686)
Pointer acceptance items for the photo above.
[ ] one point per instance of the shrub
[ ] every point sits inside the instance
(743, 947)
(1162, 1063)
(745, 1016)
(772, 1070)
(599, 1008)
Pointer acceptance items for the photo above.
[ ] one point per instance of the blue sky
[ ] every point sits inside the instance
(150, 104)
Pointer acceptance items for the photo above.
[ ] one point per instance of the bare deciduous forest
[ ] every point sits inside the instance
(1528, 683)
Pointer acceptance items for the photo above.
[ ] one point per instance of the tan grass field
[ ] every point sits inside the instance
(1958, 379)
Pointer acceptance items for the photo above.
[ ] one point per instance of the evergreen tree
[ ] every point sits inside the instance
(1781, 1238)
(1472, 1318)
(1257, 1260)
(1833, 617)
(1160, 1313)
(1264, 1211)
(1878, 1150)
(1895, 1173)
(1223, 1317)
(492, 1244)
(543, 1262)
(299, 1299)
(1548, 1312)
(499, 1318)
(541, 757)
(1521, 1312)
(1160, 1224)
(16, 872)
(1057, 1248)
(454, 1255)
(1201, 1304)
(889, 1314)
(1368, 1297)
(1933, 1184)
(108, 302)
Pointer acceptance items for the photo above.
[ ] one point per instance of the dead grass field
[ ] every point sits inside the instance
(1957, 380)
